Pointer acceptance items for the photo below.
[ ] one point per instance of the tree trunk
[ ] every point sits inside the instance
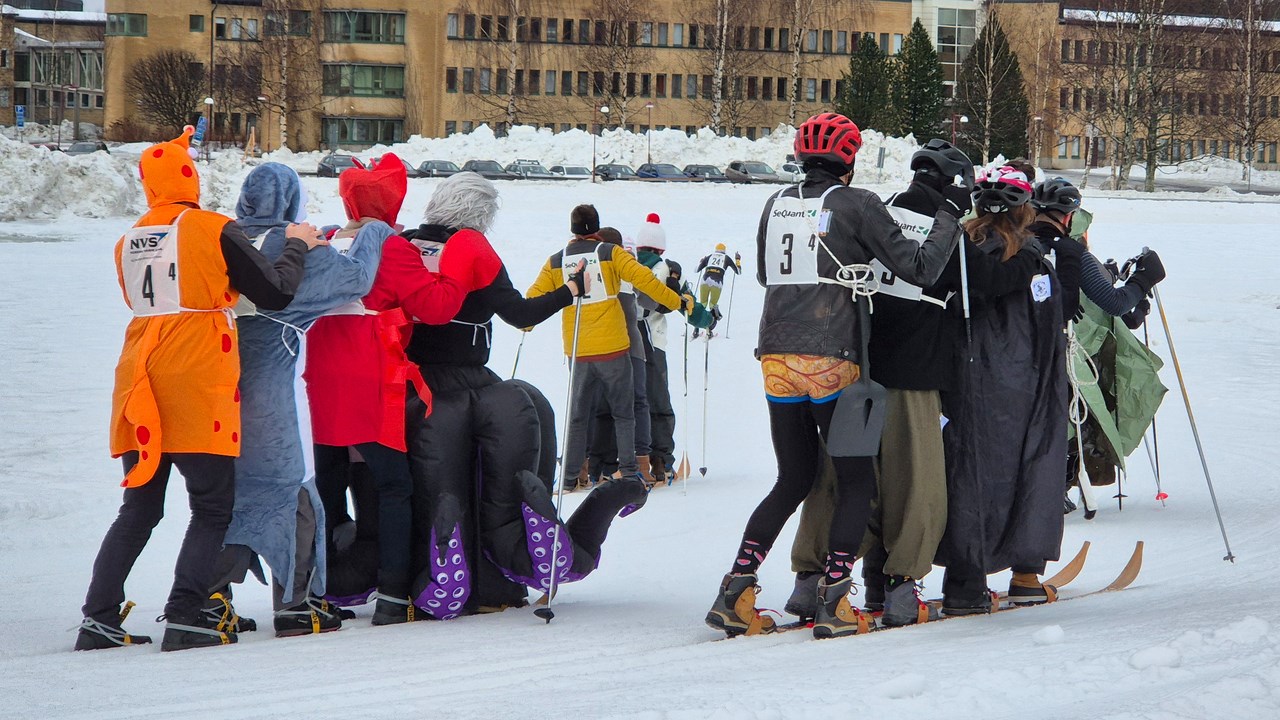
(717, 75)
(796, 32)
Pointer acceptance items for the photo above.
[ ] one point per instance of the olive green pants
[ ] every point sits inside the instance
(910, 511)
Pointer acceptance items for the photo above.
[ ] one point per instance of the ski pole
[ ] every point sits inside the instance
(545, 612)
(1195, 432)
(683, 470)
(728, 315)
(519, 347)
(1154, 458)
(964, 297)
(706, 382)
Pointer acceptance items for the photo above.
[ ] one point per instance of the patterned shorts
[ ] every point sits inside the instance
(815, 377)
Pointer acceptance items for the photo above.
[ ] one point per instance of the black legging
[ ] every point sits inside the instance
(795, 428)
(394, 483)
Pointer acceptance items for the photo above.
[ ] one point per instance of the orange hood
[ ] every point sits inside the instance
(168, 173)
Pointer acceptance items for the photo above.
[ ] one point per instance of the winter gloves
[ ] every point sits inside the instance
(470, 259)
(958, 201)
(1148, 270)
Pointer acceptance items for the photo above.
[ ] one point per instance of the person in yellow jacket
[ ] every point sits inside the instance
(181, 270)
(602, 364)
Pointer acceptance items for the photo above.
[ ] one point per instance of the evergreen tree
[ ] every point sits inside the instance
(917, 94)
(867, 99)
(990, 92)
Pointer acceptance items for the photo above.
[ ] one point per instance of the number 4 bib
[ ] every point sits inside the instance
(792, 239)
(149, 264)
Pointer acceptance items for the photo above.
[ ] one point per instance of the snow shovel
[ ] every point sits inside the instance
(858, 420)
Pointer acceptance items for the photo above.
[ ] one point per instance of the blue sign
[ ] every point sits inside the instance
(20, 112)
(201, 126)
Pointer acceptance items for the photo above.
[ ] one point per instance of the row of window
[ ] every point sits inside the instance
(134, 24)
(343, 26)
(41, 97)
(1172, 55)
(81, 68)
(585, 31)
(1073, 146)
(485, 81)
(466, 126)
(337, 131)
(1179, 103)
(363, 80)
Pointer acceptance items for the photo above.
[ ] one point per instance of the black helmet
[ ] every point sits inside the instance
(1056, 194)
(949, 160)
(999, 189)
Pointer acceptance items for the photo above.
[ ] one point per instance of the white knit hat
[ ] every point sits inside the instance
(651, 234)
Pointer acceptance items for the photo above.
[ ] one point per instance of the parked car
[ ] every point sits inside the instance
(571, 172)
(51, 146)
(615, 171)
(438, 168)
(749, 171)
(489, 169)
(409, 169)
(791, 172)
(86, 147)
(708, 173)
(529, 170)
(333, 163)
(661, 171)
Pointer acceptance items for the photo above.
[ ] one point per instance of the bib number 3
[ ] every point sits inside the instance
(149, 264)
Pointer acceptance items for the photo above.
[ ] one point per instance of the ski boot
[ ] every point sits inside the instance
(902, 603)
(836, 617)
(1069, 505)
(1026, 589)
(734, 611)
(310, 617)
(646, 470)
(223, 615)
(803, 602)
(95, 635)
(392, 610)
(965, 606)
(200, 629)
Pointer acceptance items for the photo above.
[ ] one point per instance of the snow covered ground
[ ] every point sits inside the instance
(1193, 638)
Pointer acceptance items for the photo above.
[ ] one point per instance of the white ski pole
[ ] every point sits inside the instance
(706, 382)
(1195, 432)
(545, 612)
(728, 315)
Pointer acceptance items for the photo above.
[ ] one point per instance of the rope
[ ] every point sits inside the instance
(1079, 411)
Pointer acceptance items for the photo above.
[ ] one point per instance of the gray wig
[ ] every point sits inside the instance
(464, 200)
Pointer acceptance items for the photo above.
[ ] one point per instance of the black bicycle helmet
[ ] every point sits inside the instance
(1056, 194)
(948, 160)
(999, 189)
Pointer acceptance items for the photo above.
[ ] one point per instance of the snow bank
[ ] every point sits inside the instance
(36, 132)
(40, 183)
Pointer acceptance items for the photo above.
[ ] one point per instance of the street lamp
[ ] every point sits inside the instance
(955, 118)
(208, 111)
(604, 113)
(266, 123)
(649, 133)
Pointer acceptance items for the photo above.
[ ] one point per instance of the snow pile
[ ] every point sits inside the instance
(1218, 169)
(40, 183)
(38, 133)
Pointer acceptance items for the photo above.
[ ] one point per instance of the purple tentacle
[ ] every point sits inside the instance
(444, 597)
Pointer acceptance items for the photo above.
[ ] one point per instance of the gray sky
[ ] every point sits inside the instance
(95, 5)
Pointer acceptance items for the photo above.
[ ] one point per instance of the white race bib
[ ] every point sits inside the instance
(916, 227)
(598, 293)
(149, 264)
(791, 241)
(430, 251)
(717, 260)
(1041, 289)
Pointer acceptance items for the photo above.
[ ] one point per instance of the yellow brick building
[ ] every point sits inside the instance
(51, 63)
(357, 72)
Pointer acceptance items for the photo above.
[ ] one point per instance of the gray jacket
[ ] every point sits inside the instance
(819, 318)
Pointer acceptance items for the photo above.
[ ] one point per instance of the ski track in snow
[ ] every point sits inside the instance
(1192, 638)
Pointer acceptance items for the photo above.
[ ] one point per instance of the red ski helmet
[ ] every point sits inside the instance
(828, 136)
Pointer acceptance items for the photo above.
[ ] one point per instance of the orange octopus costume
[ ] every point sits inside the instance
(175, 396)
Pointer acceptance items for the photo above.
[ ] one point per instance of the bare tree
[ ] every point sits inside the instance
(615, 55)
(501, 44)
(798, 17)
(1246, 75)
(167, 86)
(727, 57)
(1035, 41)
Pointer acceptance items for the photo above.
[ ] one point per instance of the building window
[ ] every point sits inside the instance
(811, 89)
(468, 80)
(1075, 147)
(784, 38)
(566, 83)
(693, 35)
(691, 86)
(195, 23)
(451, 79)
(553, 30)
(706, 87)
(584, 32)
(660, 86)
(753, 88)
(4, 58)
(646, 33)
(826, 45)
(535, 82)
(646, 87)
(662, 34)
(583, 80)
(826, 91)
(291, 22)
(897, 43)
(352, 26)
(130, 24)
(551, 82)
(362, 131)
(220, 28)
(450, 127)
(451, 26)
(957, 30)
(535, 29)
(677, 35)
(566, 30)
(1062, 147)
(486, 81)
(842, 42)
(677, 86)
(364, 80)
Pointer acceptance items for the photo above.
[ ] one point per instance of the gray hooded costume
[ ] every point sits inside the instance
(272, 473)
